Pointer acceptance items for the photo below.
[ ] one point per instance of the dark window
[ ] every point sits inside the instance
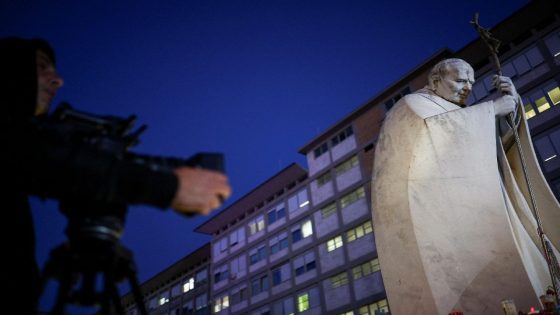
(296, 235)
(321, 150)
(342, 136)
(276, 276)
(276, 214)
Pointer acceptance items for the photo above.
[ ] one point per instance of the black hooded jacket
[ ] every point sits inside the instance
(33, 164)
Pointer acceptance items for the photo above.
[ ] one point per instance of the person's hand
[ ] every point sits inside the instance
(504, 85)
(200, 191)
(504, 105)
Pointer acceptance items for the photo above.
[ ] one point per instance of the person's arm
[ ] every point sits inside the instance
(57, 170)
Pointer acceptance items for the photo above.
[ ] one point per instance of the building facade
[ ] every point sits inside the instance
(298, 244)
(302, 242)
(183, 288)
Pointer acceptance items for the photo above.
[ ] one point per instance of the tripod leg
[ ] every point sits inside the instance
(63, 290)
(136, 289)
(112, 291)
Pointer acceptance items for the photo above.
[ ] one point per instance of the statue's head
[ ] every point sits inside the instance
(452, 79)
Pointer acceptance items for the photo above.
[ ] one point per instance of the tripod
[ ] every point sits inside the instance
(92, 250)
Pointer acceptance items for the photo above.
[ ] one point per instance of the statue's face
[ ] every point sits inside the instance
(456, 85)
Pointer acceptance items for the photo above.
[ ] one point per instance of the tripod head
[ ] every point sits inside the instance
(95, 227)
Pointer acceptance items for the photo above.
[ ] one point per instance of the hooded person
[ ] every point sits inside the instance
(35, 162)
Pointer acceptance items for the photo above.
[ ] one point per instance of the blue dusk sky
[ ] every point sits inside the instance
(255, 80)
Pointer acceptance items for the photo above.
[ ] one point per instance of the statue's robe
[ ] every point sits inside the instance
(452, 221)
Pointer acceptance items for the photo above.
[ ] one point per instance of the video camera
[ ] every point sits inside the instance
(95, 227)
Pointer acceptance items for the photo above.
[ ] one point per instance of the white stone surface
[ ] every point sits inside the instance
(452, 232)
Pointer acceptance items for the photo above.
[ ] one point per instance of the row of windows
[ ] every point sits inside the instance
(183, 287)
(281, 240)
(278, 212)
(541, 99)
(278, 275)
(553, 44)
(302, 264)
(377, 308)
(548, 150)
(357, 272)
(393, 100)
(257, 224)
(339, 170)
(340, 137)
(276, 243)
(515, 67)
(301, 302)
(351, 235)
(197, 305)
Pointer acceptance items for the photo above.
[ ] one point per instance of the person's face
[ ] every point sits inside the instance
(48, 82)
(456, 85)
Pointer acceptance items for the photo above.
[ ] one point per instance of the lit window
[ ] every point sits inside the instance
(189, 285)
(347, 165)
(554, 95)
(542, 104)
(323, 179)
(328, 210)
(542, 98)
(221, 303)
(366, 269)
(303, 302)
(359, 231)
(306, 229)
(352, 197)
(379, 307)
(298, 200)
(256, 225)
(529, 111)
(339, 280)
(302, 231)
(334, 243)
